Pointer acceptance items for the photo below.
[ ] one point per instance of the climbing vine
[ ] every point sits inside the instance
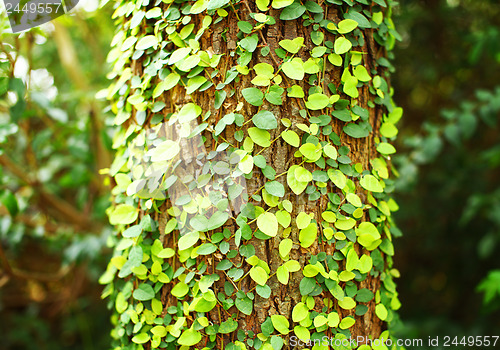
(295, 96)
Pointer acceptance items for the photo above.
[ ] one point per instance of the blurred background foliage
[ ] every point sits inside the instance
(54, 138)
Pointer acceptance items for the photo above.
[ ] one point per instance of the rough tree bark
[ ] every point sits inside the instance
(311, 119)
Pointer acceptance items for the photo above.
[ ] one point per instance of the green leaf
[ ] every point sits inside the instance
(245, 27)
(264, 69)
(285, 247)
(123, 214)
(179, 54)
(292, 12)
(141, 338)
(295, 91)
(308, 235)
(386, 148)
(188, 112)
(300, 312)
(294, 69)
(302, 174)
(347, 322)
(346, 26)
(342, 45)
(146, 42)
(180, 290)
(262, 5)
(317, 101)
(189, 337)
(388, 130)
(296, 186)
(267, 223)
(292, 46)
(356, 130)
(311, 152)
(361, 74)
(302, 333)
(280, 323)
(265, 120)
(350, 87)
(303, 220)
(337, 177)
(253, 96)
(358, 17)
(283, 275)
(249, 43)
(291, 138)
(259, 275)
(228, 326)
(345, 224)
(370, 183)
(275, 188)
(364, 295)
(335, 59)
(277, 4)
(188, 240)
(170, 81)
(144, 292)
(245, 305)
(217, 4)
(381, 311)
(260, 137)
(330, 151)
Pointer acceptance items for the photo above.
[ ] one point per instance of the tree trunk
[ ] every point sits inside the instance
(299, 92)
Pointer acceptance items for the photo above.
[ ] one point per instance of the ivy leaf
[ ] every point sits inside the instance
(292, 46)
(283, 275)
(347, 25)
(141, 338)
(308, 235)
(253, 96)
(123, 214)
(179, 54)
(295, 91)
(216, 4)
(311, 151)
(337, 177)
(260, 137)
(267, 223)
(180, 290)
(144, 292)
(300, 312)
(350, 87)
(188, 240)
(245, 305)
(293, 11)
(296, 186)
(265, 120)
(381, 311)
(342, 45)
(370, 183)
(361, 74)
(294, 69)
(303, 220)
(275, 188)
(291, 138)
(356, 130)
(250, 43)
(280, 323)
(146, 42)
(259, 275)
(285, 247)
(386, 148)
(302, 174)
(189, 337)
(317, 101)
(358, 17)
(277, 4)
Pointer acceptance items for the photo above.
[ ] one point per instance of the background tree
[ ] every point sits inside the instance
(300, 93)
